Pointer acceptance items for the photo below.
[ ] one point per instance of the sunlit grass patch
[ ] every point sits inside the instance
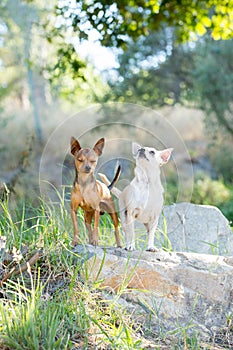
(48, 305)
(54, 304)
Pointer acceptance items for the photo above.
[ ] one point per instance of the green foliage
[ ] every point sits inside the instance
(11, 51)
(208, 191)
(205, 191)
(118, 21)
(174, 192)
(154, 71)
(39, 62)
(28, 322)
(221, 157)
(213, 81)
(51, 306)
(214, 192)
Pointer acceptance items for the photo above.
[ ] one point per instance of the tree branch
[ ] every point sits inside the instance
(22, 267)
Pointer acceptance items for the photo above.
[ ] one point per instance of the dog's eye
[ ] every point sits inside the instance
(152, 153)
(80, 160)
(92, 161)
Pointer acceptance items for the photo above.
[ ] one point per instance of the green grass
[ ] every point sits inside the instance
(53, 305)
(50, 306)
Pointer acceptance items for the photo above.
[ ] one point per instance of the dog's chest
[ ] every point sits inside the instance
(147, 202)
(88, 198)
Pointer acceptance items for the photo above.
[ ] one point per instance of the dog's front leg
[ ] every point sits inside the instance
(74, 204)
(151, 227)
(88, 215)
(75, 224)
(96, 228)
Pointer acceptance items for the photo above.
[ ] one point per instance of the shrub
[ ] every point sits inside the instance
(210, 192)
(222, 159)
(214, 192)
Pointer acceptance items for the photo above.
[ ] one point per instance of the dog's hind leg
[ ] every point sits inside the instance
(109, 207)
(116, 223)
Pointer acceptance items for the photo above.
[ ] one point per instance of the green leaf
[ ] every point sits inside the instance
(221, 9)
(216, 35)
(200, 29)
(133, 26)
(206, 21)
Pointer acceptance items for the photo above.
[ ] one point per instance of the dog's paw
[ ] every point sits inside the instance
(94, 242)
(130, 248)
(152, 249)
(74, 242)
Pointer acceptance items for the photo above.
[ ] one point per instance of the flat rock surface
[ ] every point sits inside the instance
(177, 288)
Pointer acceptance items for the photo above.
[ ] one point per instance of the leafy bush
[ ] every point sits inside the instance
(222, 160)
(227, 207)
(214, 192)
(205, 191)
(210, 192)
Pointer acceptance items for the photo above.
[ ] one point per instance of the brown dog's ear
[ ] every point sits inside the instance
(98, 148)
(74, 145)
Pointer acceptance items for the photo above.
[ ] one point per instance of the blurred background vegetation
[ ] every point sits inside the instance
(59, 57)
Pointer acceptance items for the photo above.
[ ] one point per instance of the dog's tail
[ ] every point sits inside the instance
(116, 178)
(110, 185)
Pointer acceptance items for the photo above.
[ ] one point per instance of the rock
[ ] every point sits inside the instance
(172, 289)
(196, 228)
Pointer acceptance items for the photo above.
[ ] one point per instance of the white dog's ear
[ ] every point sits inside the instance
(165, 155)
(135, 148)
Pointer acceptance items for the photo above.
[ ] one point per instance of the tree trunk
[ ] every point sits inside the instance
(30, 81)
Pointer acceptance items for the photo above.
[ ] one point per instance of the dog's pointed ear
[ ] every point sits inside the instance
(135, 148)
(165, 155)
(74, 145)
(98, 148)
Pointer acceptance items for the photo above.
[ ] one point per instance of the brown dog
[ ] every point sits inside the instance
(90, 194)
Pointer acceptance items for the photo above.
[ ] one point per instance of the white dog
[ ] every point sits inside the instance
(142, 199)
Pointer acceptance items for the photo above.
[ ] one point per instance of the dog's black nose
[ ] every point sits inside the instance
(142, 150)
(87, 168)
(142, 153)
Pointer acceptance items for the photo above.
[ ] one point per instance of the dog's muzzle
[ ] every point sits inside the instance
(87, 169)
(141, 153)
